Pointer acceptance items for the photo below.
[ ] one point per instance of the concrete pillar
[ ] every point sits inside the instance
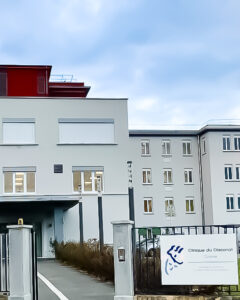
(123, 266)
(20, 262)
(58, 224)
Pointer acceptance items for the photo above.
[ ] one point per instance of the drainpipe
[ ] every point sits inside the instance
(201, 181)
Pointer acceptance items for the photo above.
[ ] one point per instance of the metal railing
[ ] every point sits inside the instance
(147, 263)
(4, 263)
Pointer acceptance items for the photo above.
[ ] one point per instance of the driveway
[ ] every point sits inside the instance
(60, 282)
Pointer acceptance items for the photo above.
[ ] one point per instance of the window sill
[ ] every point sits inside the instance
(233, 210)
(147, 184)
(190, 213)
(237, 180)
(166, 155)
(86, 144)
(19, 144)
(231, 151)
(187, 155)
(148, 213)
(191, 183)
(168, 184)
(146, 155)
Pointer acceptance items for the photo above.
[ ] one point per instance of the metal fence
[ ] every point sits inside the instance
(147, 263)
(4, 263)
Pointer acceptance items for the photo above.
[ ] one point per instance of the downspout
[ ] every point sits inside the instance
(201, 180)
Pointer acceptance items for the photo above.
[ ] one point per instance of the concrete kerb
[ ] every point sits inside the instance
(175, 297)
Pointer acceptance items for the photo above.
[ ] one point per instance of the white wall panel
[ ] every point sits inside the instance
(86, 133)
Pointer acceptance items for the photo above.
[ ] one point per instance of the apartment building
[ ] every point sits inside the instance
(54, 140)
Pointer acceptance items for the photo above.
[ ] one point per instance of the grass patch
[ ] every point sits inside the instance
(87, 257)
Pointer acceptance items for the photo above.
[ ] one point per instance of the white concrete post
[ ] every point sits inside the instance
(123, 260)
(20, 263)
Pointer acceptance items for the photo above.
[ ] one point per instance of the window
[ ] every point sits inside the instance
(203, 144)
(88, 178)
(145, 147)
(188, 176)
(228, 172)
(237, 172)
(19, 182)
(226, 143)
(3, 83)
(230, 202)
(187, 148)
(190, 205)
(169, 207)
(18, 131)
(41, 85)
(166, 148)
(237, 143)
(86, 131)
(146, 176)
(148, 205)
(167, 176)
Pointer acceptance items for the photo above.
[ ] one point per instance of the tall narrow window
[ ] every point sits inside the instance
(3, 83)
(188, 176)
(226, 143)
(166, 147)
(41, 85)
(228, 172)
(146, 176)
(238, 172)
(237, 143)
(186, 148)
(167, 176)
(203, 145)
(145, 147)
(148, 205)
(230, 202)
(190, 205)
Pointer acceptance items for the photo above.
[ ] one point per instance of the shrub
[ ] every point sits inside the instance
(87, 257)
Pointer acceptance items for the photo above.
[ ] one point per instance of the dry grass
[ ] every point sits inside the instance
(87, 257)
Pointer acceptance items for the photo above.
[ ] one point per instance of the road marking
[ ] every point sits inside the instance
(52, 287)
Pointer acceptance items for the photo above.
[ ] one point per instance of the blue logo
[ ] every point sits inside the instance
(173, 261)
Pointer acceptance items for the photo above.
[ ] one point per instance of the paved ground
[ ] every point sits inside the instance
(73, 284)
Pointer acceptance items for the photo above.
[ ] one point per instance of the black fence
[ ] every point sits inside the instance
(147, 263)
(4, 263)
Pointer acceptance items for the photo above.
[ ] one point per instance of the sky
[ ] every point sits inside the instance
(177, 61)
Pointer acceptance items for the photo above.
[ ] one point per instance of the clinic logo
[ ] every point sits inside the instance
(173, 261)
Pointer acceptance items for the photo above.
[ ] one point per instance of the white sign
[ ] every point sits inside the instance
(208, 259)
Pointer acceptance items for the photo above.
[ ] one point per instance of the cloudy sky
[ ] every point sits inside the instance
(178, 61)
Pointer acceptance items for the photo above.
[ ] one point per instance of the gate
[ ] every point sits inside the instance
(147, 264)
(4, 263)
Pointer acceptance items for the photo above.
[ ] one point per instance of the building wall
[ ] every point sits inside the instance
(157, 190)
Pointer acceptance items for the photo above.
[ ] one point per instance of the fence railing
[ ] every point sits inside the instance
(4, 263)
(147, 263)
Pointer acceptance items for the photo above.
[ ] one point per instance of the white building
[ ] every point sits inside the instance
(53, 139)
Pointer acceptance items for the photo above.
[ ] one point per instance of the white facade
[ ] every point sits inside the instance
(178, 176)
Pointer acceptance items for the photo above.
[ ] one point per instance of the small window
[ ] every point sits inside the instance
(167, 176)
(190, 205)
(237, 143)
(230, 202)
(41, 87)
(166, 148)
(187, 149)
(146, 176)
(237, 172)
(19, 182)
(188, 176)
(169, 207)
(88, 180)
(226, 143)
(145, 147)
(148, 205)
(203, 145)
(228, 172)
(3, 83)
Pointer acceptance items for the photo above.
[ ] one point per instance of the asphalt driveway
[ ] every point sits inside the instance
(61, 282)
